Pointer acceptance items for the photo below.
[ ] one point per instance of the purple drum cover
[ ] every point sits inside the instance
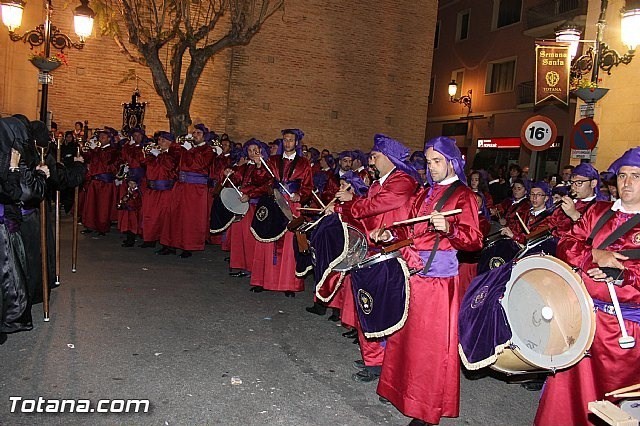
(483, 327)
(497, 254)
(381, 293)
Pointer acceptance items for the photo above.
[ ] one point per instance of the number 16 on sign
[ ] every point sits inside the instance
(538, 133)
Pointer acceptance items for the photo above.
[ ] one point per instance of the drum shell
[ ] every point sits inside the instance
(497, 253)
(357, 251)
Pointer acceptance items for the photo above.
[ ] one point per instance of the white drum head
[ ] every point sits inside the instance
(231, 201)
(550, 313)
(356, 252)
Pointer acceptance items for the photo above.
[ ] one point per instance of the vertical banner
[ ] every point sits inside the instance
(553, 66)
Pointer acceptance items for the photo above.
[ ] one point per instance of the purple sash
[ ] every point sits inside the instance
(193, 178)
(160, 185)
(444, 265)
(1, 213)
(136, 174)
(483, 328)
(104, 177)
(254, 201)
(26, 212)
(630, 312)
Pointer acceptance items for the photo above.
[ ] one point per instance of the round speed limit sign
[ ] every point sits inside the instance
(538, 133)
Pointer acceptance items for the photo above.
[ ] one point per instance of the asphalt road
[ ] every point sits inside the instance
(202, 349)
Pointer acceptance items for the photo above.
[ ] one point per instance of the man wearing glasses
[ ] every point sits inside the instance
(607, 236)
(540, 198)
(584, 192)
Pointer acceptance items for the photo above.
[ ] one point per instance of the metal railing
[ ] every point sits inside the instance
(553, 11)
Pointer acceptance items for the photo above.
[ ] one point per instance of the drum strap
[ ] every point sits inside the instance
(445, 196)
(617, 233)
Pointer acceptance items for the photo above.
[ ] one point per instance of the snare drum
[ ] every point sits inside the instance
(231, 200)
(497, 253)
(356, 252)
(542, 318)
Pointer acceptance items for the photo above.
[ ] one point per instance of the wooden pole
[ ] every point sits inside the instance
(58, 156)
(43, 249)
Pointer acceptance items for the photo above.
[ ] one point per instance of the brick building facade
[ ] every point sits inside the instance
(340, 71)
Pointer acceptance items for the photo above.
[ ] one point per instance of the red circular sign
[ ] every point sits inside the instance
(585, 134)
(538, 133)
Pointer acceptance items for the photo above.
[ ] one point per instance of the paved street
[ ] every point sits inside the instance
(203, 349)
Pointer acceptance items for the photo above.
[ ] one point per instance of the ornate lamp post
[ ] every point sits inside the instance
(48, 36)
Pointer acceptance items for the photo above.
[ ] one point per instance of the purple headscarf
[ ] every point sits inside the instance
(280, 146)
(344, 154)
(167, 135)
(331, 162)
(447, 147)
(630, 158)
(358, 154)
(204, 129)
(546, 189)
(396, 152)
(590, 172)
(264, 148)
(356, 182)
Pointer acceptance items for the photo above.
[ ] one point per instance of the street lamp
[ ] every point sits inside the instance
(600, 53)
(464, 100)
(47, 35)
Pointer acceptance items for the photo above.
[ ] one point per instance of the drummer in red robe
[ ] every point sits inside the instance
(253, 181)
(421, 370)
(161, 173)
(608, 366)
(131, 164)
(534, 219)
(389, 199)
(100, 198)
(220, 164)
(187, 224)
(517, 203)
(274, 264)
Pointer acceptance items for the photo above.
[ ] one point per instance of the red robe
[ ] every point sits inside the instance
(609, 367)
(508, 211)
(383, 205)
(421, 370)
(130, 154)
(130, 212)
(100, 198)
(274, 264)
(155, 203)
(254, 182)
(187, 223)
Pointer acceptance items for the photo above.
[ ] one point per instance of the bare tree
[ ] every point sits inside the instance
(200, 28)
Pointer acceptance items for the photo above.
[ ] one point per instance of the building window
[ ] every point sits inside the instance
(436, 38)
(432, 83)
(501, 76)
(462, 29)
(506, 12)
(458, 76)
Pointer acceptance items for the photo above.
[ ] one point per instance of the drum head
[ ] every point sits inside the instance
(550, 313)
(283, 204)
(231, 201)
(357, 250)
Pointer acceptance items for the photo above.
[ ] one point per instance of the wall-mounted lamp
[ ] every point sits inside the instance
(600, 53)
(464, 100)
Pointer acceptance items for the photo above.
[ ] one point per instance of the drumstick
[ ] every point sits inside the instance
(240, 194)
(318, 199)
(526, 230)
(274, 176)
(622, 390)
(311, 209)
(626, 395)
(424, 218)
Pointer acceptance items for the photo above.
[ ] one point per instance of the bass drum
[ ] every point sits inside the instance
(551, 316)
(497, 253)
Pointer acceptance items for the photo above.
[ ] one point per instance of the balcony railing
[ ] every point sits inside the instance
(524, 92)
(553, 11)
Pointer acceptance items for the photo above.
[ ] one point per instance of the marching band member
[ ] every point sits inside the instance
(518, 203)
(100, 199)
(130, 169)
(389, 199)
(606, 236)
(540, 197)
(254, 181)
(274, 264)
(161, 174)
(421, 376)
(130, 218)
(187, 224)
